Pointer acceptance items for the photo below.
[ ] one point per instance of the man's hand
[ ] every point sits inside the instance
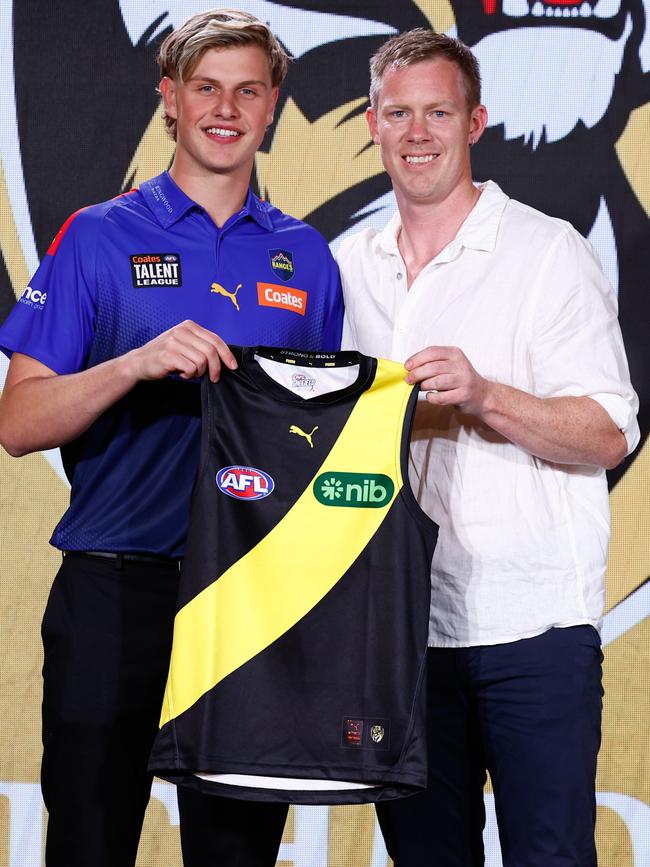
(187, 349)
(448, 378)
(566, 430)
(40, 409)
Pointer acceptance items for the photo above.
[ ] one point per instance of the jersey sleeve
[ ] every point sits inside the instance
(53, 320)
(576, 343)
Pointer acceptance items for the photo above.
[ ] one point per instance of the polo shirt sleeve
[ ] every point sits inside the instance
(576, 343)
(53, 320)
(333, 312)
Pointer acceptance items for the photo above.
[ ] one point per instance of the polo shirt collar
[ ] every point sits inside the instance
(169, 203)
(258, 210)
(478, 232)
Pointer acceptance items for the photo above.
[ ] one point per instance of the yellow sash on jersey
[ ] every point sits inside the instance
(292, 568)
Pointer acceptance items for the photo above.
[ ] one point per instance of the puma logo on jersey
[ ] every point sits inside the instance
(296, 430)
(219, 289)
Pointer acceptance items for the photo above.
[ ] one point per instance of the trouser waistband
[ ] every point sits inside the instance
(121, 560)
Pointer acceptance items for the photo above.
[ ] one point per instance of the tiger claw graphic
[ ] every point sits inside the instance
(334, 148)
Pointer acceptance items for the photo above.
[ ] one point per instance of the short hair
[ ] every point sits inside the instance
(417, 45)
(181, 51)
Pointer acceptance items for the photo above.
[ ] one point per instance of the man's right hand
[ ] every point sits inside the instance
(41, 409)
(187, 349)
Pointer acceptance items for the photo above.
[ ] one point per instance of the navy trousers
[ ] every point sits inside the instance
(529, 712)
(107, 640)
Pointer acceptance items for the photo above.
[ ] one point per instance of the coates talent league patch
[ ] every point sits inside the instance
(156, 269)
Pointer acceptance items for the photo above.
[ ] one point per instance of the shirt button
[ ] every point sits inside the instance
(399, 275)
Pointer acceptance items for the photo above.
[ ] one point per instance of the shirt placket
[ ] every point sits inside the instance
(399, 292)
(412, 308)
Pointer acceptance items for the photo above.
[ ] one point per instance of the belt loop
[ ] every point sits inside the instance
(119, 561)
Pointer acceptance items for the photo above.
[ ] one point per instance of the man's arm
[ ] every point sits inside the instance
(567, 430)
(40, 409)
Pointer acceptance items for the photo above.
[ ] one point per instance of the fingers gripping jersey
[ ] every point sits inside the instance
(299, 645)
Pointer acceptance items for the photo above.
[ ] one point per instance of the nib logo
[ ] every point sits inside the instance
(354, 490)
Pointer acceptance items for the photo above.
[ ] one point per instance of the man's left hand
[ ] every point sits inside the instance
(448, 378)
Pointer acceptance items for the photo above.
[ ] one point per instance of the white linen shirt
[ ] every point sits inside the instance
(523, 542)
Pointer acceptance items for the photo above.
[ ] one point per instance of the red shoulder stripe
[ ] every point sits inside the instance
(51, 250)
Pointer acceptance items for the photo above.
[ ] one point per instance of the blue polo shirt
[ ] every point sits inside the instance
(116, 276)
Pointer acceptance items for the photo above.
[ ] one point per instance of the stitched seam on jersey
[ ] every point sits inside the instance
(412, 715)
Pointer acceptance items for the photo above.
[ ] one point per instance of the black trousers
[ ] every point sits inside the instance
(528, 711)
(107, 639)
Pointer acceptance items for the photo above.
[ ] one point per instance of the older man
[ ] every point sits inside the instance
(504, 317)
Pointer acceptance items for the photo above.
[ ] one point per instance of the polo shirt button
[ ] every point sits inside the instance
(399, 275)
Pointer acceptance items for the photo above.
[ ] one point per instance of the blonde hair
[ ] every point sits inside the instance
(181, 51)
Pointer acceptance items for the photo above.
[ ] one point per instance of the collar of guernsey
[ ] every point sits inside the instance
(329, 543)
(169, 204)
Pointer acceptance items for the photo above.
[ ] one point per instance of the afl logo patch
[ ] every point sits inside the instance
(244, 483)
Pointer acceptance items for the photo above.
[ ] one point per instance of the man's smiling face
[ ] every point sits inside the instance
(221, 111)
(424, 127)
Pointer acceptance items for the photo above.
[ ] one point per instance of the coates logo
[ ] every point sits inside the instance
(284, 297)
(282, 263)
(244, 483)
(33, 298)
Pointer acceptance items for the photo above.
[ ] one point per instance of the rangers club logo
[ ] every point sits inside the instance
(282, 263)
(244, 483)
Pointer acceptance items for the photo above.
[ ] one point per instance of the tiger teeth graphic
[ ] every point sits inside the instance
(539, 9)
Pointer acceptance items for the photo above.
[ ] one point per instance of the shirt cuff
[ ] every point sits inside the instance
(623, 413)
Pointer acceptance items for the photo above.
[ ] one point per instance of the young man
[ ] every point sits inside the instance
(137, 297)
(504, 317)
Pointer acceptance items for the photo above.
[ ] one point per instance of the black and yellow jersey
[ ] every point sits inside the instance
(299, 649)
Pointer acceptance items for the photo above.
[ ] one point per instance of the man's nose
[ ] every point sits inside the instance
(418, 129)
(225, 105)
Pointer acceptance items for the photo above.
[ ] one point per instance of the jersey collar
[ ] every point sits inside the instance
(169, 203)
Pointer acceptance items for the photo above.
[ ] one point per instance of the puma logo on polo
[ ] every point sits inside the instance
(219, 289)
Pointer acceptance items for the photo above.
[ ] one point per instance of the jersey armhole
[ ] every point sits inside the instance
(410, 500)
(207, 414)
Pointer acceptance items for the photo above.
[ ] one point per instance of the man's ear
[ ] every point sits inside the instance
(167, 88)
(371, 117)
(477, 123)
(275, 92)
